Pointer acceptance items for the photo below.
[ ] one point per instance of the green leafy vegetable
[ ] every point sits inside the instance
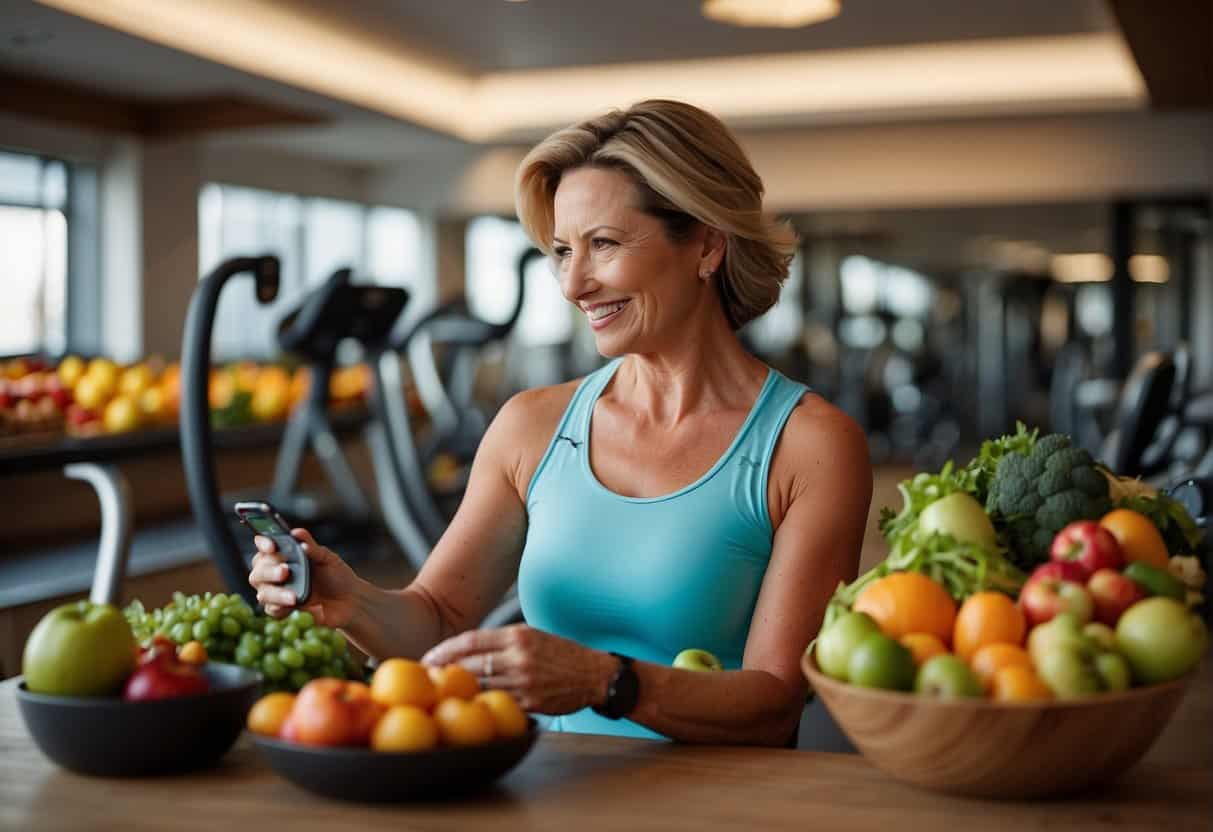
(979, 473)
(917, 493)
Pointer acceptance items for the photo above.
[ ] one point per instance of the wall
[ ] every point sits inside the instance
(988, 161)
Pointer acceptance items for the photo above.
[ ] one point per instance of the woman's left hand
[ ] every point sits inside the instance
(547, 674)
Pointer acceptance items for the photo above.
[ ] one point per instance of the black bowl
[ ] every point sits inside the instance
(105, 736)
(363, 775)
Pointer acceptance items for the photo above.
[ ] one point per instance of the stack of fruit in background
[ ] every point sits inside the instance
(1031, 573)
(89, 398)
(406, 707)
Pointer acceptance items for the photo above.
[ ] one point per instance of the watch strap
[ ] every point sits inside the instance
(622, 691)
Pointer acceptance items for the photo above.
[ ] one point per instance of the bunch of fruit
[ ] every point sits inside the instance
(1108, 611)
(288, 653)
(407, 707)
(87, 649)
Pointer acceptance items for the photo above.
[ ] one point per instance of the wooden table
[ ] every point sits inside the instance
(586, 783)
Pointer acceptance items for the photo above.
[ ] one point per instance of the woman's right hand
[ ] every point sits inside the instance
(333, 583)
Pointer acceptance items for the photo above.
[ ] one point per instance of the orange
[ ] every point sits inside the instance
(908, 602)
(509, 719)
(991, 658)
(923, 646)
(454, 680)
(192, 652)
(987, 618)
(1138, 537)
(463, 722)
(405, 728)
(403, 682)
(268, 714)
(1019, 684)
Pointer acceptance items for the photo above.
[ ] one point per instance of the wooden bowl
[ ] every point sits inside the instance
(979, 748)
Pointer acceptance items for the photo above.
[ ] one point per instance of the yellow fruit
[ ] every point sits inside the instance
(923, 646)
(992, 658)
(192, 652)
(135, 380)
(221, 390)
(1138, 537)
(71, 370)
(271, 400)
(267, 716)
(121, 415)
(508, 718)
(153, 405)
(464, 722)
(403, 682)
(987, 618)
(90, 394)
(454, 680)
(405, 728)
(908, 602)
(246, 373)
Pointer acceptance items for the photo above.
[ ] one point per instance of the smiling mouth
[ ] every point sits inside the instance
(603, 314)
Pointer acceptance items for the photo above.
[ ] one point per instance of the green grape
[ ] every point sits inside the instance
(230, 626)
(290, 657)
(340, 648)
(190, 616)
(253, 648)
(272, 642)
(272, 668)
(180, 633)
(272, 628)
(201, 631)
(299, 678)
(171, 620)
(333, 670)
(178, 598)
(290, 633)
(206, 596)
(303, 619)
(243, 658)
(213, 616)
(312, 649)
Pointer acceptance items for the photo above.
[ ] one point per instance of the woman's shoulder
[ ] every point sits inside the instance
(524, 426)
(820, 446)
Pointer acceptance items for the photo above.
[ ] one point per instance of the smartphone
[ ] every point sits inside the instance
(264, 520)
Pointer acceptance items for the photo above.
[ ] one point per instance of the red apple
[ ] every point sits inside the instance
(28, 386)
(160, 675)
(1059, 571)
(1112, 593)
(1087, 544)
(332, 712)
(6, 396)
(1043, 598)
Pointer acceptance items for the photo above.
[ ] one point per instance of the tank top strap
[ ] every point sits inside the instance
(757, 448)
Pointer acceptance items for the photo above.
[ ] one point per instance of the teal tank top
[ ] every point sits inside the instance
(650, 576)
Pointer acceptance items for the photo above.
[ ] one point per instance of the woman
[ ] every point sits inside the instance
(683, 496)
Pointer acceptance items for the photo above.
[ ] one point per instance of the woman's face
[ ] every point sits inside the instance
(616, 264)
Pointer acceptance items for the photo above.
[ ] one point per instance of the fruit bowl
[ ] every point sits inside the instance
(108, 737)
(361, 774)
(979, 748)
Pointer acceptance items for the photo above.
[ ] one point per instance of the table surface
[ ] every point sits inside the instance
(587, 783)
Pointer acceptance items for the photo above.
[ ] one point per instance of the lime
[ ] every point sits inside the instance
(881, 662)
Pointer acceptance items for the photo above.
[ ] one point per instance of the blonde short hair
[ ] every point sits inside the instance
(688, 169)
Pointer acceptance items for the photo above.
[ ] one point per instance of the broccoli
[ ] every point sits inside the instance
(1034, 495)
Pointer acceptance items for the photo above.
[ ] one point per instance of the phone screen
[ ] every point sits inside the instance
(262, 524)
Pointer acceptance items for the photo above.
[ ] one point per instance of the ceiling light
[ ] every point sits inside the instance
(783, 14)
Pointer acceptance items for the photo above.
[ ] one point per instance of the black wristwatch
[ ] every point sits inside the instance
(622, 692)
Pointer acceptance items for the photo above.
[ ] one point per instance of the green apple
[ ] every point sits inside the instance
(1160, 639)
(1063, 629)
(1069, 670)
(1113, 671)
(946, 677)
(962, 517)
(836, 642)
(881, 662)
(698, 660)
(79, 649)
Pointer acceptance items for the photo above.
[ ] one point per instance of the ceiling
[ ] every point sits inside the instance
(502, 45)
(479, 36)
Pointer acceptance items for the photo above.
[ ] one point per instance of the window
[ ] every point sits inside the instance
(313, 237)
(33, 254)
(492, 250)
